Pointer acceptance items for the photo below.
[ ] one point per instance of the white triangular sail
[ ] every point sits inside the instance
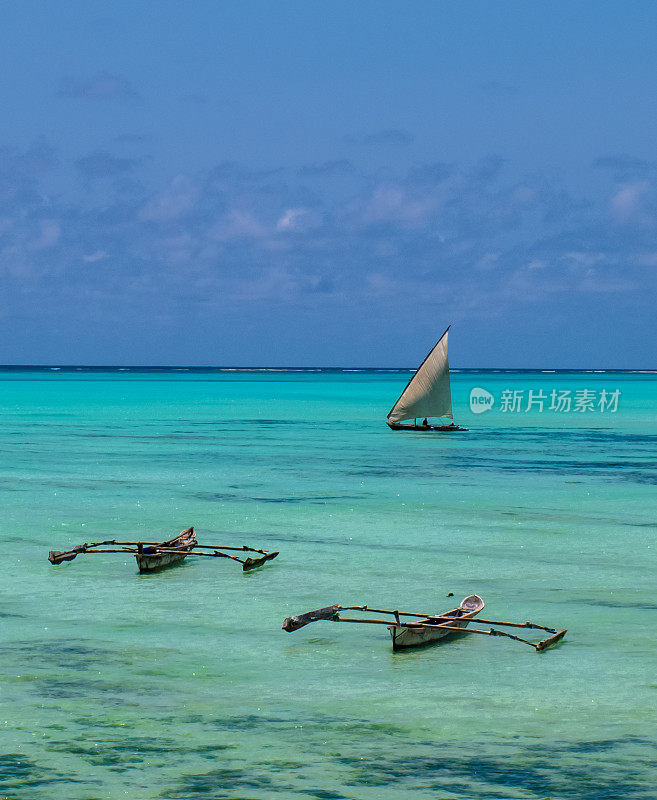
(428, 393)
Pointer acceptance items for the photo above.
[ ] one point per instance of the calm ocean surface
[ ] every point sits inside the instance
(181, 684)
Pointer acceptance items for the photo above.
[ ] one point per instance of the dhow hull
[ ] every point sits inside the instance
(399, 426)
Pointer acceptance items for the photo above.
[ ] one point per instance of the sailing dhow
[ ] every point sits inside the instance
(427, 394)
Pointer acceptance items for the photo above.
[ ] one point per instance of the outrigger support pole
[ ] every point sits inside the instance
(448, 617)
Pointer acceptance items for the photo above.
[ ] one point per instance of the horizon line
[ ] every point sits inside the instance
(290, 367)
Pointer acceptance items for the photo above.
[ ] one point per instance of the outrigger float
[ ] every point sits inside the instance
(152, 556)
(430, 628)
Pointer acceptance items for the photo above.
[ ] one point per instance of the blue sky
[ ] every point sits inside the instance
(306, 183)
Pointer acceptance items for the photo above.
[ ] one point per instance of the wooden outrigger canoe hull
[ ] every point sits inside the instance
(456, 618)
(149, 560)
(399, 426)
(151, 563)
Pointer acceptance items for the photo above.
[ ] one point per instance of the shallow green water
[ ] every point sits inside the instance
(181, 684)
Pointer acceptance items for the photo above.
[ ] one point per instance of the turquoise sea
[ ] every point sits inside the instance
(181, 684)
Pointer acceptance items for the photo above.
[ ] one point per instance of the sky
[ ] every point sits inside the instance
(305, 183)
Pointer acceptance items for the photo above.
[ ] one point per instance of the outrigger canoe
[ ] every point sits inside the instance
(429, 628)
(152, 556)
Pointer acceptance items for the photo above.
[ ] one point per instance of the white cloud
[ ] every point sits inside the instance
(292, 219)
(238, 225)
(48, 235)
(179, 249)
(99, 255)
(627, 203)
(434, 236)
(392, 204)
(599, 284)
(585, 259)
(488, 261)
(177, 199)
(646, 260)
